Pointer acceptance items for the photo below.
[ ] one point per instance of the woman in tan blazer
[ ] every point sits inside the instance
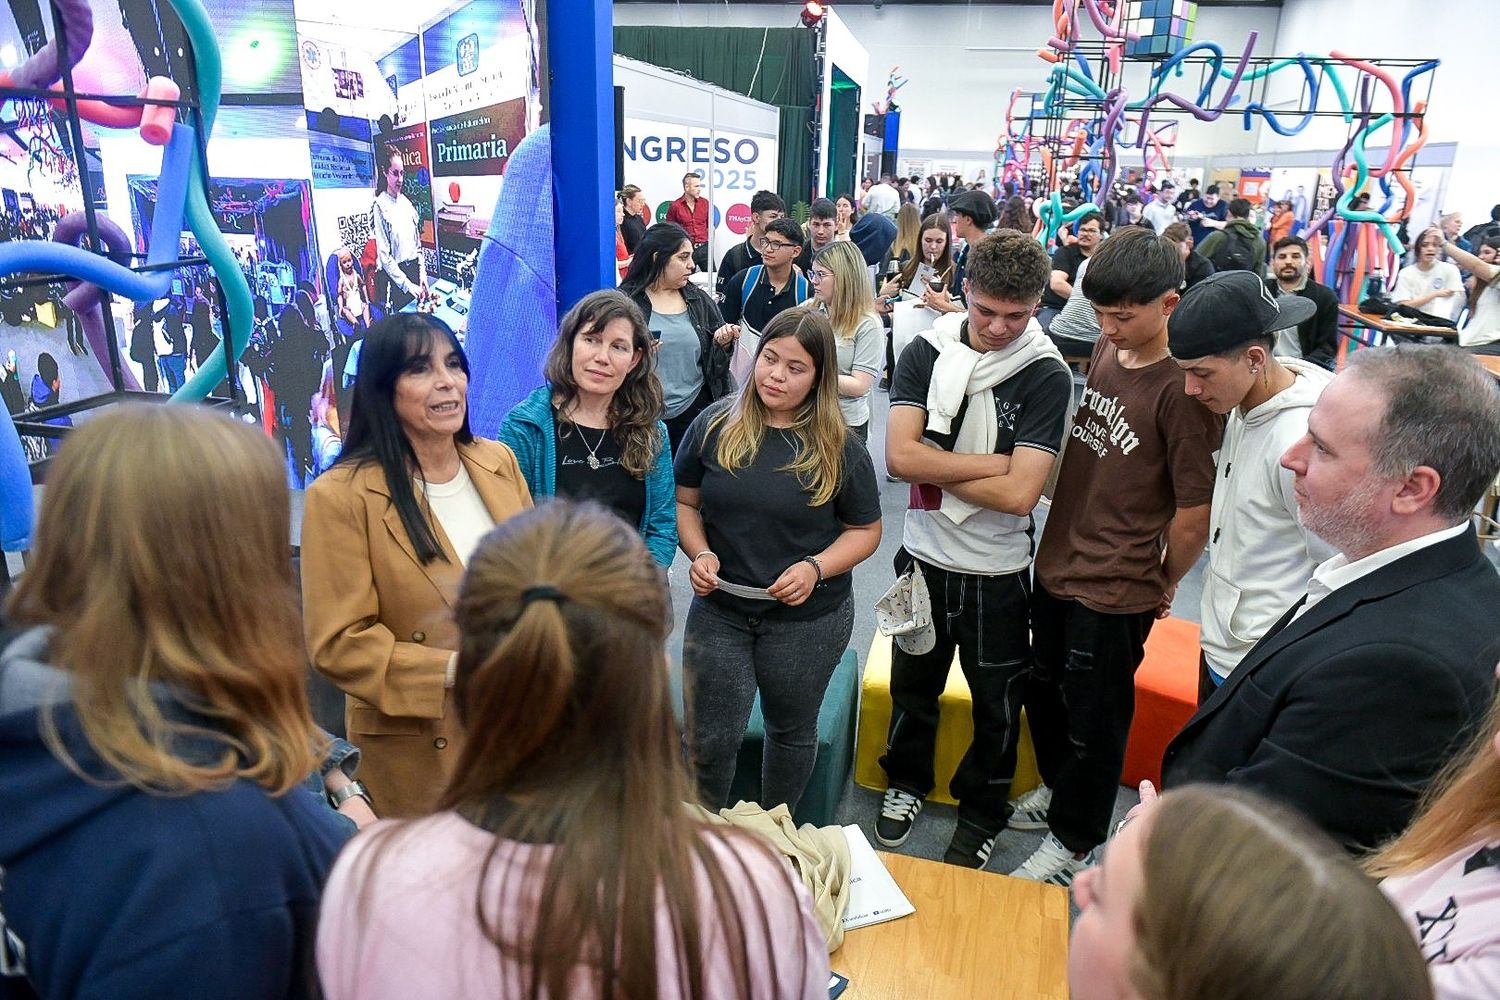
(386, 534)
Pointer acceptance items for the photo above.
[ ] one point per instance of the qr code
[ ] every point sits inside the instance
(355, 230)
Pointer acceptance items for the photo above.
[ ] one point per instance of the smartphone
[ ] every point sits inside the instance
(655, 334)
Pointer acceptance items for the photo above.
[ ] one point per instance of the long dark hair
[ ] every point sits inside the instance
(572, 742)
(944, 264)
(637, 404)
(656, 248)
(375, 432)
(383, 155)
(820, 426)
(1015, 215)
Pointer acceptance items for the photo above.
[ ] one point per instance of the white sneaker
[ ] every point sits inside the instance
(1053, 863)
(1031, 809)
(898, 811)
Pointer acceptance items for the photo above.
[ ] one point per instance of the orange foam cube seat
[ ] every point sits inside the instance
(1166, 695)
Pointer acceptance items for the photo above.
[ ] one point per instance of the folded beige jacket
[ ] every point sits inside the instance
(819, 855)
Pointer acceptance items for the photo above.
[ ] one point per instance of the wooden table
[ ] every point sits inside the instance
(1491, 363)
(1358, 319)
(975, 934)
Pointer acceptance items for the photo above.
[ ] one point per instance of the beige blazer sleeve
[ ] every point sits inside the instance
(348, 614)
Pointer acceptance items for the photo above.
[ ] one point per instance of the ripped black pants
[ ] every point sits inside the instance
(1079, 701)
(984, 618)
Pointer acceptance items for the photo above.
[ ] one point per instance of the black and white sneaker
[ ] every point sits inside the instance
(1054, 863)
(898, 812)
(1031, 809)
(970, 846)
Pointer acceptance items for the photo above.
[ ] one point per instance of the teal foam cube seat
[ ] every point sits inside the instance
(830, 775)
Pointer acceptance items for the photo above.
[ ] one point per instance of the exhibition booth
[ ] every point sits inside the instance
(197, 211)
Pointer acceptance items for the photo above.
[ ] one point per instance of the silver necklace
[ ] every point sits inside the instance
(593, 459)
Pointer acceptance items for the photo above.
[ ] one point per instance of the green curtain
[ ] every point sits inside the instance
(843, 124)
(727, 57)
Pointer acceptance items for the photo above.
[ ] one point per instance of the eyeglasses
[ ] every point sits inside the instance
(778, 245)
(819, 275)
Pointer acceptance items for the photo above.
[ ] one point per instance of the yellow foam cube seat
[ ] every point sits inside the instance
(955, 729)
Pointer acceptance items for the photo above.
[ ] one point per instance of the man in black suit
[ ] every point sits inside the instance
(1366, 687)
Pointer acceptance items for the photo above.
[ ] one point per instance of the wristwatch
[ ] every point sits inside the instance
(349, 791)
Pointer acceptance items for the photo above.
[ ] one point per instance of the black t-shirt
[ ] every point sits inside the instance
(1195, 269)
(1031, 406)
(1066, 259)
(805, 258)
(1031, 411)
(634, 230)
(739, 257)
(763, 303)
(609, 484)
(960, 272)
(758, 521)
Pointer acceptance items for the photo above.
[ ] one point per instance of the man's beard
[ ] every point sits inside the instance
(1346, 524)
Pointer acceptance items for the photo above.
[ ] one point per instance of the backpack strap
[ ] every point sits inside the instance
(804, 289)
(752, 278)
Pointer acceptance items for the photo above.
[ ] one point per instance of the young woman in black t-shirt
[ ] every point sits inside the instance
(776, 503)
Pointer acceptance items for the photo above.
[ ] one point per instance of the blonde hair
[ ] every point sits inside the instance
(1461, 806)
(1244, 900)
(163, 560)
(562, 688)
(819, 423)
(852, 298)
(908, 232)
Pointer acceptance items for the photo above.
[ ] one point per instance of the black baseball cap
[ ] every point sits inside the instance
(1226, 309)
(976, 205)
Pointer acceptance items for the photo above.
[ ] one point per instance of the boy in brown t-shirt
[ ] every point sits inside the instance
(1129, 518)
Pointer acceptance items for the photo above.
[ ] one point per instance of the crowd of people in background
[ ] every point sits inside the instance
(1161, 381)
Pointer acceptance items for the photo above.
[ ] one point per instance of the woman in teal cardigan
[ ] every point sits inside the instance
(594, 430)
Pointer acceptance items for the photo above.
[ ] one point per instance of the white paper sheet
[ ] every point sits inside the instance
(874, 896)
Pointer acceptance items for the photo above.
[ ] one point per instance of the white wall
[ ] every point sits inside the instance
(660, 106)
(843, 49)
(1462, 33)
(954, 105)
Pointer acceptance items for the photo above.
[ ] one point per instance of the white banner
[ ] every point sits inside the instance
(733, 164)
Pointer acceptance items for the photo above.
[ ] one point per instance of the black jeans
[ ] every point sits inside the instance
(1080, 699)
(390, 294)
(984, 619)
(1206, 685)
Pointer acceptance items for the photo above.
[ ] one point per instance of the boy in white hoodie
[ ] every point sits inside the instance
(1260, 556)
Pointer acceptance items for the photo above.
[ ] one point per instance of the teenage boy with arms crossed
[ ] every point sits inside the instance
(1129, 518)
(978, 407)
